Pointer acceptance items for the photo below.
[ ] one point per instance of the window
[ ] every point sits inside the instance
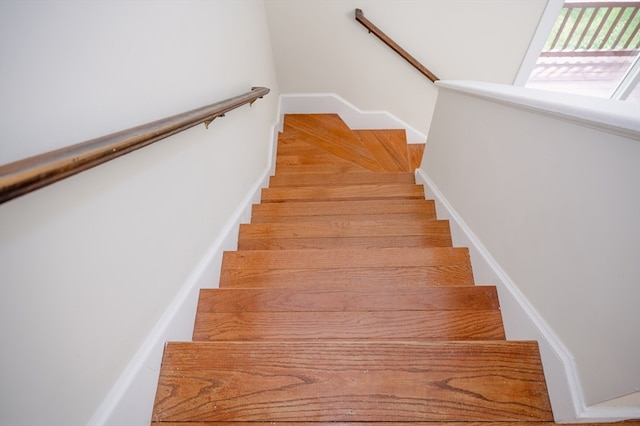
(592, 49)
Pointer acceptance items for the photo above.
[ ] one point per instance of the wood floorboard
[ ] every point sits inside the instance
(387, 325)
(416, 151)
(345, 258)
(318, 168)
(332, 243)
(362, 207)
(425, 276)
(346, 193)
(344, 298)
(389, 147)
(352, 381)
(328, 132)
(320, 179)
(325, 229)
(260, 218)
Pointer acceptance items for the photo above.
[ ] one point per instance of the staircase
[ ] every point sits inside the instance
(346, 302)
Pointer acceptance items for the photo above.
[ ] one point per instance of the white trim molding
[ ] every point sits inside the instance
(523, 322)
(355, 118)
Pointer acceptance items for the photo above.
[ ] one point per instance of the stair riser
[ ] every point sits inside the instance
(416, 151)
(319, 208)
(398, 325)
(326, 229)
(408, 277)
(334, 235)
(322, 179)
(343, 193)
(340, 299)
(318, 168)
(345, 258)
(343, 242)
(397, 217)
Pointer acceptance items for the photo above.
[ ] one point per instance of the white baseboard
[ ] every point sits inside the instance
(330, 103)
(523, 322)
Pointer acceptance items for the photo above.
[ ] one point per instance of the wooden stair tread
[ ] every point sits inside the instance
(363, 228)
(344, 258)
(346, 192)
(388, 325)
(317, 168)
(298, 159)
(330, 133)
(357, 207)
(345, 234)
(389, 147)
(353, 178)
(385, 266)
(393, 277)
(352, 381)
(345, 298)
(331, 243)
(258, 218)
(448, 423)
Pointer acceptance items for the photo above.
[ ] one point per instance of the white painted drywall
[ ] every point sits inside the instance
(89, 265)
(556, 202)
(320, 48)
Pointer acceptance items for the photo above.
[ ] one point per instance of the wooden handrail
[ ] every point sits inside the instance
(23, 176)
(393, 45)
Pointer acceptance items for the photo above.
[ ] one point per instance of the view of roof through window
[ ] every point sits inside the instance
(593, 49)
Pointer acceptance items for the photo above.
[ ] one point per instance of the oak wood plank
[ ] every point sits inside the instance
(332, 243)
(259, 218)
(437, 229)
(318, 168)
(339, 299)
(519, 423)
(415, 151)
(361, 207)
(496, 423)
(389, 147)
(414, 277)
(301, 159)
(330, 133)
(352, 381)
(346, 193)
(344, 258)
(356, 178)
(387, 325)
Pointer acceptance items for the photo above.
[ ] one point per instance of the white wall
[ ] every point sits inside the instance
(89, 265)
(555, 200)
(319, 47)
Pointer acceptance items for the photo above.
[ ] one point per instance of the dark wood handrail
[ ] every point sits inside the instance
(393, 45)
(23, 176)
